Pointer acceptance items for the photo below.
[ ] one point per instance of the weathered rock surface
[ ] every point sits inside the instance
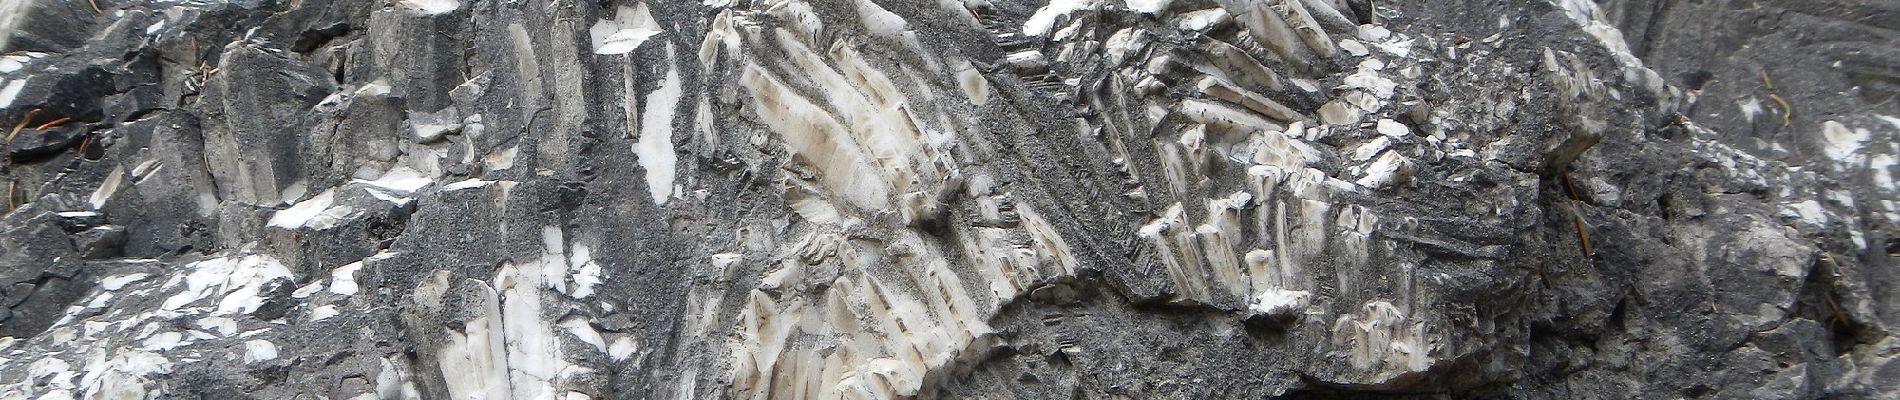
(349, 199)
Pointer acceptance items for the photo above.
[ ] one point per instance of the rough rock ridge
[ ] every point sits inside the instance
(545, 199)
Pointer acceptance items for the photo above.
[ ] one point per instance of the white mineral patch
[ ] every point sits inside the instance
(1381, 336)
(68, 334)
(99, 301)
(1354, 47)
(1045, 17)
(399, 178)
(430, 7)
(1237, 200)
(1393, 128)
(10, 91)
(343, 279)
(322, 313)
(47, 367)
(1305, 85)
(77, 214)
(116, 282)
(222, 325)
(1843, 142)
(163, 341)
(1371, 148)
(307, 290)
(630, 28)
(379, 87)
(584, 332)
(582, 271)
(470, 183)
(107, 188)
(1026, 59)
(1808, 211)
(1202, 20)
(430, 126)
(552, 266)
(1368, 78)
(259, 350)
(1337, 112)
(501, 159)
(817, 135)
(975, 86)
(56, 394)
(1154, 229)
(1880, 164)
(1401, 49)
(124, 374)
(879, 21)
(303, 212)
(1374, 33)
(1149, 6)
(92, 330)
(237, 279)
(622, 348)
(654, 148)
(331, 217)
(399, 201)
(533, 352)
(1385, 171)
(1371, 64)
(13, 62)
(1279, 302)
(145, 169)
(1841, 197)
(390, 383)
(1750, 107)
(478, 357)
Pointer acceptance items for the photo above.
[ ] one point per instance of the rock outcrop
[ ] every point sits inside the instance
(538, 199)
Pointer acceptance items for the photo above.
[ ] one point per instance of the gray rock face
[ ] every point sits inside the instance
(456, 199)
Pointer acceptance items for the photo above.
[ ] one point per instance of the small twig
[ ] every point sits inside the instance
(1839, 316)
(1565, 173)
(1770, 83)
(1576, 218)
(21, 124)
(52, 123)
(95, 7)
(1787, 113)
(1833, 306)
(83, 142)
(1583, 234)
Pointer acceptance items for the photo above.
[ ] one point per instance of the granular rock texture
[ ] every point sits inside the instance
(785, 199)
